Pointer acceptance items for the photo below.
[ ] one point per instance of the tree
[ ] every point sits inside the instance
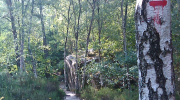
(154, 50)
(76, 37)
(29, 48)
(65, 43)
(88, 35)
(22, 66)
(10, 8)
(124, 19)
(100, 21)
(43, 28)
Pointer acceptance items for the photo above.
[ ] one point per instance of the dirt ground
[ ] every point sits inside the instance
(69, 95)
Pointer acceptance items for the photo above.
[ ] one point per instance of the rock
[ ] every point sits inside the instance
(71, 67)
(70, 61)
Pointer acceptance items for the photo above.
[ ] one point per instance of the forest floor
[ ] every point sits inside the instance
(69, 95)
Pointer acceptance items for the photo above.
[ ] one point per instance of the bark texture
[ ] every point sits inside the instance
(154, 50)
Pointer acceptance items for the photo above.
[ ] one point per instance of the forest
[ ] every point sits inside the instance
(89, 46)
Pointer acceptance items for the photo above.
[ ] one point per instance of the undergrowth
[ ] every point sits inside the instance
(26, 87)
(90, 93)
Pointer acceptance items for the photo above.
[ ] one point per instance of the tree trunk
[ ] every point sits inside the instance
(99, 29)
(124, 31)
(43, 30)
(68, 19)
(125, 45)
(22, 67)
(122, 16)
(9, 4)
(88, 35)
(90, 27)
(29, 48)
(154, 50)
(76, 37)
(100, 21)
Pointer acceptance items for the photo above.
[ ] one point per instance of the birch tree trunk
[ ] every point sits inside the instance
(154, 50)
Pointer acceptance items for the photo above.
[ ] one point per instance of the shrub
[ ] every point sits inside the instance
(90, 93)
(26, 87)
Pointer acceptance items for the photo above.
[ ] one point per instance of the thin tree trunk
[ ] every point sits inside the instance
(154, 50)
(43, 30)
(122, 27)
(122, 2)
(99, 30)
(76, 37)
(76, 46)
(78, 31)
(84, 69)
(68, 19)
(88, 35)
(19, 25)
(29, 48)
(99, 38)
(22, 67)
(124, 32)
(90, 27)
(9, 4)
(125, 45)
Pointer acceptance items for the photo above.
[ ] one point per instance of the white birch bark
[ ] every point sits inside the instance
(154, 50)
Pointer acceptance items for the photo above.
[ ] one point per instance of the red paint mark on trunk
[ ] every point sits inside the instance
(157, 19)
(158, 3)
(155, 3)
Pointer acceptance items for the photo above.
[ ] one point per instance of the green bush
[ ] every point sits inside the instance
(26, 87)
(90, 93)
(107, 94)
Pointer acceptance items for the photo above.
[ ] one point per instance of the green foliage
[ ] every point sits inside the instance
(113, 69)
(90, 93)
(113, 65)
(177, 95)
(26, 87)
(87, 93)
